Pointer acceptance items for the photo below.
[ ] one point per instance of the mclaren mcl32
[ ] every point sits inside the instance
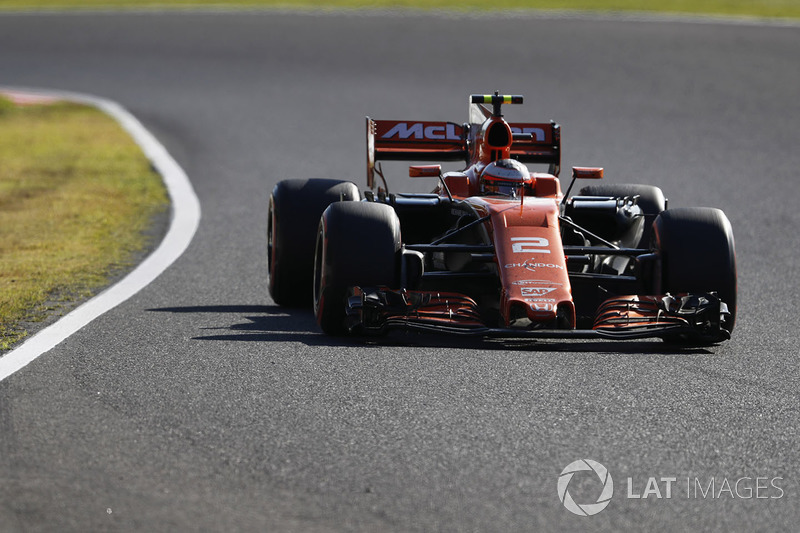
(497, 249)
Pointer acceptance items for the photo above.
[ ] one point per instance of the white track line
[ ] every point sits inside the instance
(184, 223)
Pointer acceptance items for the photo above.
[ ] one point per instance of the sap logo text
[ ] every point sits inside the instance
(536, 291)
(434, 132)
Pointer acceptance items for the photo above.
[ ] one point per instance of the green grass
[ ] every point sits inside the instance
(76, 199)
(752, 8)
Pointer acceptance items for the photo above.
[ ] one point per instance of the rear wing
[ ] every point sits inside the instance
(398, 140)
(395, 140)
(537, 143)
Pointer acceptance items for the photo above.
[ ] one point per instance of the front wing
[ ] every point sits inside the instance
(696, 318)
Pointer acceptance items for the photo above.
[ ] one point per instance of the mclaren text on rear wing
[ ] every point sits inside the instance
(402, 140)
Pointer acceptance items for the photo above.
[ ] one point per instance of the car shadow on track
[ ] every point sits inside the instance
(272, 323)
(254, 323)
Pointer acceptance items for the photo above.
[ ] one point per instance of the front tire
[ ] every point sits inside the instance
(697, 255)
(358, 244)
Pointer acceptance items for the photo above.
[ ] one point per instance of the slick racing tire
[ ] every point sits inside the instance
(295, 207)
(358, 244)
(696, 248)
(651, 201)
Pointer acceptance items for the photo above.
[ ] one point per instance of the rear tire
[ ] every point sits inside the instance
(295, 207)
(358, 244)
(696, 248)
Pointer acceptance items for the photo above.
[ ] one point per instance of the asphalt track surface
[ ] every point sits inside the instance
(200, 405)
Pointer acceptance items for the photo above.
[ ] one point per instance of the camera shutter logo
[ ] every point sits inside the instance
(585, 509)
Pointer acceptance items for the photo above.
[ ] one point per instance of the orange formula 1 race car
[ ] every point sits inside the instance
(495, 249)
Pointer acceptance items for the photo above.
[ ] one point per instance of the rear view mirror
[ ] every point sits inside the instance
(583, 173)
(587, 173)
(425, 171)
